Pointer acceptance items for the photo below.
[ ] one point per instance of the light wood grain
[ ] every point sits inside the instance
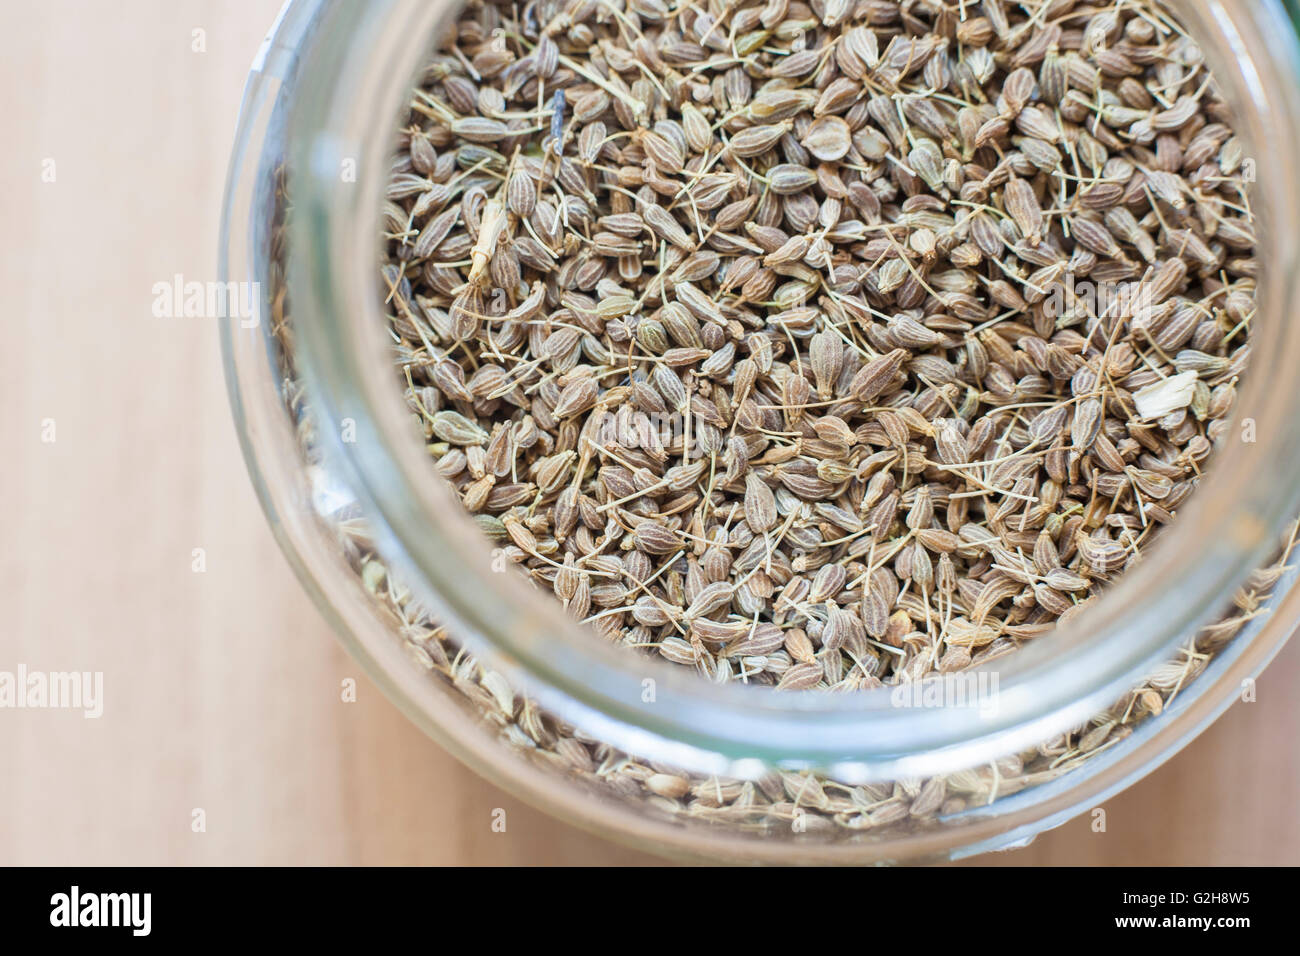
(222, 687)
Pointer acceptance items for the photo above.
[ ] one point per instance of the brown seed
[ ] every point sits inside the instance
(827, 357)
(828, 138)
(874, 377)
(578, 396)
(1022, 206)
(786, 179)
(521, 195)
(479, 129)
(655, 538)
(757, 140)
(760, 504)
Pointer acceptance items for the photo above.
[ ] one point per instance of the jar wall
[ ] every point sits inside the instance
(780, 812)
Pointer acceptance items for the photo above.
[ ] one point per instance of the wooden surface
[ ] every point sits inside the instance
(222, 687)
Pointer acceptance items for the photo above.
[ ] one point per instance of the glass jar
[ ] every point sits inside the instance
(721, 772)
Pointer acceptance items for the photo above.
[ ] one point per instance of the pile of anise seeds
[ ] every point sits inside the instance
(820, 345)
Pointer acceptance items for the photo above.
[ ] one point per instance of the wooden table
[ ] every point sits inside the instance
(222, 687)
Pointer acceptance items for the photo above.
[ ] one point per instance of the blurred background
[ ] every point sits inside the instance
(222, 686)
